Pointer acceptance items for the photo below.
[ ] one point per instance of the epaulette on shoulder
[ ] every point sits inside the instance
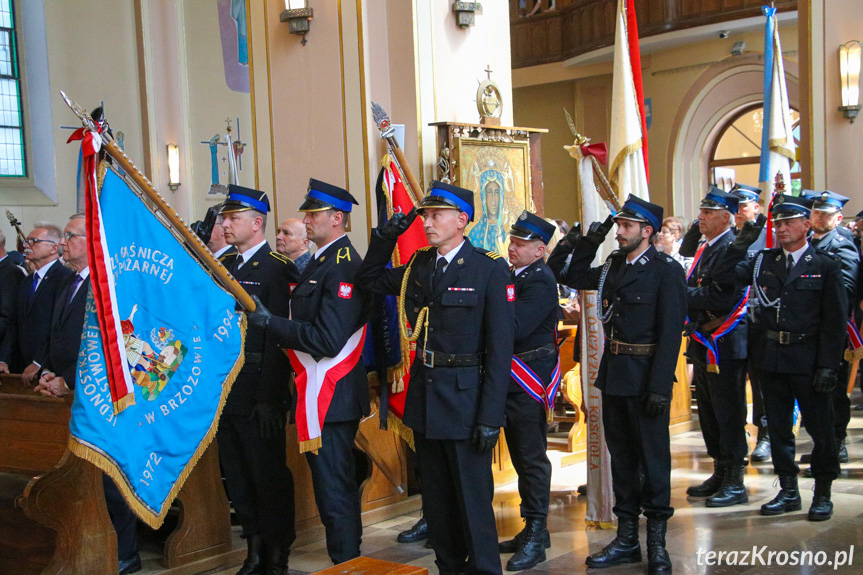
(831, 255)
(423, 249)
(665, 258)
(489, 253)
(223, 257)
(281, 257)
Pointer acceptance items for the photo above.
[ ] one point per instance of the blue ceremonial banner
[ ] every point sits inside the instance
(182, 343)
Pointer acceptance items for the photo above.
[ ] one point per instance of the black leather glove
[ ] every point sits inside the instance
(689, 328)
(573, 234)
(689, 243)
(825, 380)
(485, 437)
(261, 316)
(749, 233)
(397, 225)
(269, 419)
(597, 231)
(655, 404)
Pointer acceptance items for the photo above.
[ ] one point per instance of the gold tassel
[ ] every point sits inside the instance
(712, 368)
(852, 355)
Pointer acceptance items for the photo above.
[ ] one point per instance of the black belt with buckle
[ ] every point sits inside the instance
(788, 338)
(616, 347)
(438, 359)
(253, 358)
(537, 353)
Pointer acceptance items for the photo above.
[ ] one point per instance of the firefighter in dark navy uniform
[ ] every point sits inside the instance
(749, 210)
(327, 328)
(643, 294)
(459, 299)
(251, 431)
(829, 237)
(535, 378)
(717, 348)
(803, 308)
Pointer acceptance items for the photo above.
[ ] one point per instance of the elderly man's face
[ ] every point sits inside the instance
(39, 249)
(74, 244)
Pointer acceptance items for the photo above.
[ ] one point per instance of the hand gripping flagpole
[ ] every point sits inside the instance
(388, 133)
(191, 239)
(583, 148)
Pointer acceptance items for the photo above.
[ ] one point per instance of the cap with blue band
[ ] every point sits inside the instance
(322, 196)
(786, 207)
(826, 201)
(746, 193)
(532, 227)
(718, 199)
(242, 199)
(447, 196)
(636, 209)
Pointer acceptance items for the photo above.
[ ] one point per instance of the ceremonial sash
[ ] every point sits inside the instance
(316, 383)
(709, 340)
(695, 260)
(855, 342)
(532, 384)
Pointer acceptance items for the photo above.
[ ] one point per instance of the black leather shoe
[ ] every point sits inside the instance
(787, 500)
(277, 561)
(658, 561)
(710, 486)
(623, 549)
(130, 565)
(822, 507)
(513, 544)
(254, 563)
(732, 490)
(806, 458)
(762, 449)
(419, 532)
(531, 551)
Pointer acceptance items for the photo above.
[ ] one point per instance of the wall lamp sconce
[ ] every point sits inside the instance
(465, 12)
(298, 15)
(849, 72)
(173, 167)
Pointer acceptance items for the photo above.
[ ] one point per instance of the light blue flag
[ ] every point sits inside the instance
(183, 343)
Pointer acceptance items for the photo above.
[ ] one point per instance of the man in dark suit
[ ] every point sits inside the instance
(803, 308)
(829, 237)
(535, 378)
(749, 210)
(643, 294)
(251, 432)
(459, 299)
(67, 322)
(11, 275)
(58, 375)
(717, 348)
(26, 339)
(325, 336)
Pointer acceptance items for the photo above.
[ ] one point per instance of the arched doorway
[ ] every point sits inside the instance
(725, 91)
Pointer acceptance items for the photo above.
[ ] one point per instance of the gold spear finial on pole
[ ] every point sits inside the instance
(606, 192)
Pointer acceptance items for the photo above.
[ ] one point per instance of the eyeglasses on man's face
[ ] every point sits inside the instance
(69, 235)
(33, 241)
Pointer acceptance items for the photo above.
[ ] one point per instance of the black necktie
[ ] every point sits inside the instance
(238, 262)
(438, 272)
(790, 263)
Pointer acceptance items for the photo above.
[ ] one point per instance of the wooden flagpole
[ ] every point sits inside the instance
(191, 239)
(389, 134)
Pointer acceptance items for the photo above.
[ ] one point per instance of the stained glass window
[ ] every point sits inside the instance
(12, 157)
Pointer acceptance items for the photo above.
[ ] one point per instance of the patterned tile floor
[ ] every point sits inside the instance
(693, 528)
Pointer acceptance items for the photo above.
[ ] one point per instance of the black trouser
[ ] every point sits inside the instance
(638, 445)
(458, 488)
(841, 404)
(721, 401)
(336, 491)
(759, 415)
(123, 519)
(526, 436)
(780, 391)
(259, 483)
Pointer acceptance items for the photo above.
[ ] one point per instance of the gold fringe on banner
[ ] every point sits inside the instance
(402, 430)
(152, 517)
(600, 524)
(312, 445)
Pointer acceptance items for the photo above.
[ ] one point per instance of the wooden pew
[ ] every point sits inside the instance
(53, 517)
(57, 521)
